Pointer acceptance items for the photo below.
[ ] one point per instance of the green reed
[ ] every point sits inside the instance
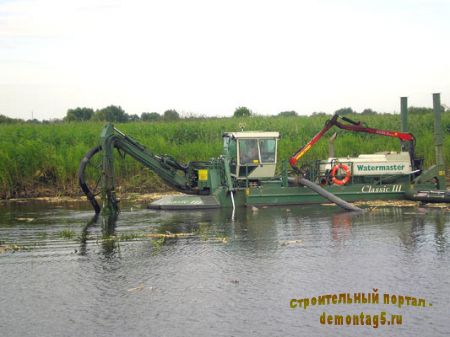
(37, 159)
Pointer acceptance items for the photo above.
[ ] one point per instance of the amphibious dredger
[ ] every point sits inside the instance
(245, 173)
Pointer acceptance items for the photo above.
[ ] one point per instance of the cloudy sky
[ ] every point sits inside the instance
(209, 56)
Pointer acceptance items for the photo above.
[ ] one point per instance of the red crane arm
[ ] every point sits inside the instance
(300, 152)
(407, 137)
(352, 126)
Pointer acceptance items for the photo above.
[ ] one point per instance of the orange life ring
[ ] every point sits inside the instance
(340, 181)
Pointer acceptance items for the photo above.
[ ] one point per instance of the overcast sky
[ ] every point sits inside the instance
(209, 57)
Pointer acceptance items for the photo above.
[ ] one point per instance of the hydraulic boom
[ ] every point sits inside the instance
(183, 178)
(351, 126)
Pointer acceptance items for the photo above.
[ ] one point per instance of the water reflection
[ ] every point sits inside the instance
(342, 225)
(439, 234)
(85, 234)
(109, 223)
(263, 229)
(108, 239)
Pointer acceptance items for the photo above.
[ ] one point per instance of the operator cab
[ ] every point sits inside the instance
(253, 154)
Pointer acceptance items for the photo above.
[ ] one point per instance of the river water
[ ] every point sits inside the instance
(63, 274)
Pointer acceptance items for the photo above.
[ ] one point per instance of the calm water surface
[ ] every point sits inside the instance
(67, 277)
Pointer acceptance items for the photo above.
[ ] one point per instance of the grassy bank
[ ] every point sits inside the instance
(43, 159)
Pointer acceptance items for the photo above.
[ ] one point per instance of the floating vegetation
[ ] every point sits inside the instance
(437, 205)
(140, 287)
(25, 219)
(203, 230)
(168, 235)
(387, 203)
(12, 247)
(108, 237)
(136, 236)
(221, 239)
(66, 234)
(157, 244)
(291, 242)
(129, 236)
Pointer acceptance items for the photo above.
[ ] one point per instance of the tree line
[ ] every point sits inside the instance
(246, 112)
(116, 114)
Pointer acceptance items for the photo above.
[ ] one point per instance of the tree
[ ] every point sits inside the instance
(133, 118)
(368, 112)
(111, 113)
(150, 116)
(79, 114)
(321, 113)
(33, 121)
(8, 120)
(288, 113)
(171, 114)
(344, 111)
(242, 111)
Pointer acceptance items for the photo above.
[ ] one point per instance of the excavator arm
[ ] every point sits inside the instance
(354, 127)
(174, 174)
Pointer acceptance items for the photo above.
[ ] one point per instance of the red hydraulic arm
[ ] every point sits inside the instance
(352, 126)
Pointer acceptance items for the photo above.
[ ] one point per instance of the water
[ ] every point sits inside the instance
(222, 277)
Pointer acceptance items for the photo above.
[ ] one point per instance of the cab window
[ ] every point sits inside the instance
(232, 150)
(248, 151)
(268, 150)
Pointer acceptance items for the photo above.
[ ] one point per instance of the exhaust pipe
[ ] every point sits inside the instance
(404, 114)
(438, 139)
(331, 145)
(404, 121)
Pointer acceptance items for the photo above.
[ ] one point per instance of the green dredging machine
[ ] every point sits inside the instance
(245, 173)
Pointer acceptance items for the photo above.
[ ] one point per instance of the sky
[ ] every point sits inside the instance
(208, 57)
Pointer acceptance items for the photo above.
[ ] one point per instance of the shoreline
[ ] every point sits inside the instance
(129, 197)
(144, 198)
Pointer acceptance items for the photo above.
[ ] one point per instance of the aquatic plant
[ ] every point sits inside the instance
(66, 234)
(157, 244)
(130, 236)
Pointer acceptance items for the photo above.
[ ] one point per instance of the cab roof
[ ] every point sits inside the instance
(252, 134)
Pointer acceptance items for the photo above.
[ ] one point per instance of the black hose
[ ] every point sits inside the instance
(91, 197)
(330, 196)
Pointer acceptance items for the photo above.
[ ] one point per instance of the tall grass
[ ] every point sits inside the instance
(44, 158)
